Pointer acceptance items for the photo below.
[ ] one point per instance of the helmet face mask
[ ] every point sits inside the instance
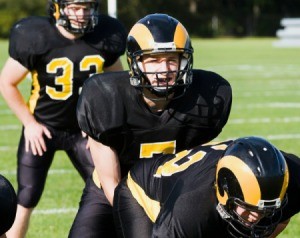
(252, 176)
(159, 35)
(239, 226)
(71, 22)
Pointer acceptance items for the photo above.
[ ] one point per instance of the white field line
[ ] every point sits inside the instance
(264, 120)
(54, 211)
(274, 93)
(6, 112)
(270, 137)
(8, 148)
(270, 105)
(51, 171)
(233, 121)
(10, 127)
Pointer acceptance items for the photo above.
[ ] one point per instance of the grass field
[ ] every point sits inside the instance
(266, 102)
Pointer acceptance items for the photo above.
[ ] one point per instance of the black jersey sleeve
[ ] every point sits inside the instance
(135, 207)
(207, 103)
(109, 36)
(293, 191)
(100, 107)
(130, 218)
(219, 94)
(30, 37)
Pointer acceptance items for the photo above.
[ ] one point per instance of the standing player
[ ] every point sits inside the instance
(61, 52)
(160, 106)
(230, 189)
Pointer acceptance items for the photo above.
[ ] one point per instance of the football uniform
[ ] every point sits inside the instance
(112, 111)
(59, 67)
(174, 196)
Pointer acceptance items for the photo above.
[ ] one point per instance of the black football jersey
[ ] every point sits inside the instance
(293, 191)
(59, 66)
(178, 194)
(114, 113)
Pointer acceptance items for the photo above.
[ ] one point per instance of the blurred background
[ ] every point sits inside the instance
(234, 38)
(202, 18)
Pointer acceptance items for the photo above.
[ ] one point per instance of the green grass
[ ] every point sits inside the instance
(266, 93)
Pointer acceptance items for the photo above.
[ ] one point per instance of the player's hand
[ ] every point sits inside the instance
(85, 135)
(34, 138)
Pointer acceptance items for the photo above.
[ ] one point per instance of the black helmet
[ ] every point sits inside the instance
(157, 34)
(8, 205)
(56, 10)
(252, 174)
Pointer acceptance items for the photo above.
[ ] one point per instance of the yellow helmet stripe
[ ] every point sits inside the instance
(246, 178)
(180, 36)
(285, 182)
(150, 206)
(56, 14)
(142, 35)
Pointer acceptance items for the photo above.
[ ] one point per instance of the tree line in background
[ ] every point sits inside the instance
(202, 18)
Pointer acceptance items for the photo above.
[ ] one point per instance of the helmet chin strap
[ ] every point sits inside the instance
(156, 95)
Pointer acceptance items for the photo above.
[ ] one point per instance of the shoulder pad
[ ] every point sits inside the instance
(110, 35)
(32, 35)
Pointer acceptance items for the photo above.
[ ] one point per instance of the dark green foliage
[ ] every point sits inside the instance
(204, 18)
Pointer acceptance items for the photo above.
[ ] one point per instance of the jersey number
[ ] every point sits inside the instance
(183, 160)
(66, 79)
(147, 150)
(175, 165)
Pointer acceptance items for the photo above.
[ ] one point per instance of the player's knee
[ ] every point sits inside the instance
(29, 196)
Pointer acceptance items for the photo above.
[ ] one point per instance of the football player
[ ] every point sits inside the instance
(60, 52)
(8, 205)
(235, 188)
(161, 106)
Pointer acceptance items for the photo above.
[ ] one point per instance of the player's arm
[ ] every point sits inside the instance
(117, 66)
(12, 74)
(107, 166)
(280, 227)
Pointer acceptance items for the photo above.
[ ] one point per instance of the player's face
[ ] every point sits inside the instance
(249, 217)
(79, 14)
(161, 69)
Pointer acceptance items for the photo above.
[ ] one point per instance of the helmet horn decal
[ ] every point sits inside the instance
(247, 180)
(142, 35)
(180, 36)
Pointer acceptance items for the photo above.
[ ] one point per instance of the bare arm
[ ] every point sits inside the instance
(280, 227)
(107, 166)
(12, 74)
(117, 66)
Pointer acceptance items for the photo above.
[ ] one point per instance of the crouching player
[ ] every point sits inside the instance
(240, 188)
